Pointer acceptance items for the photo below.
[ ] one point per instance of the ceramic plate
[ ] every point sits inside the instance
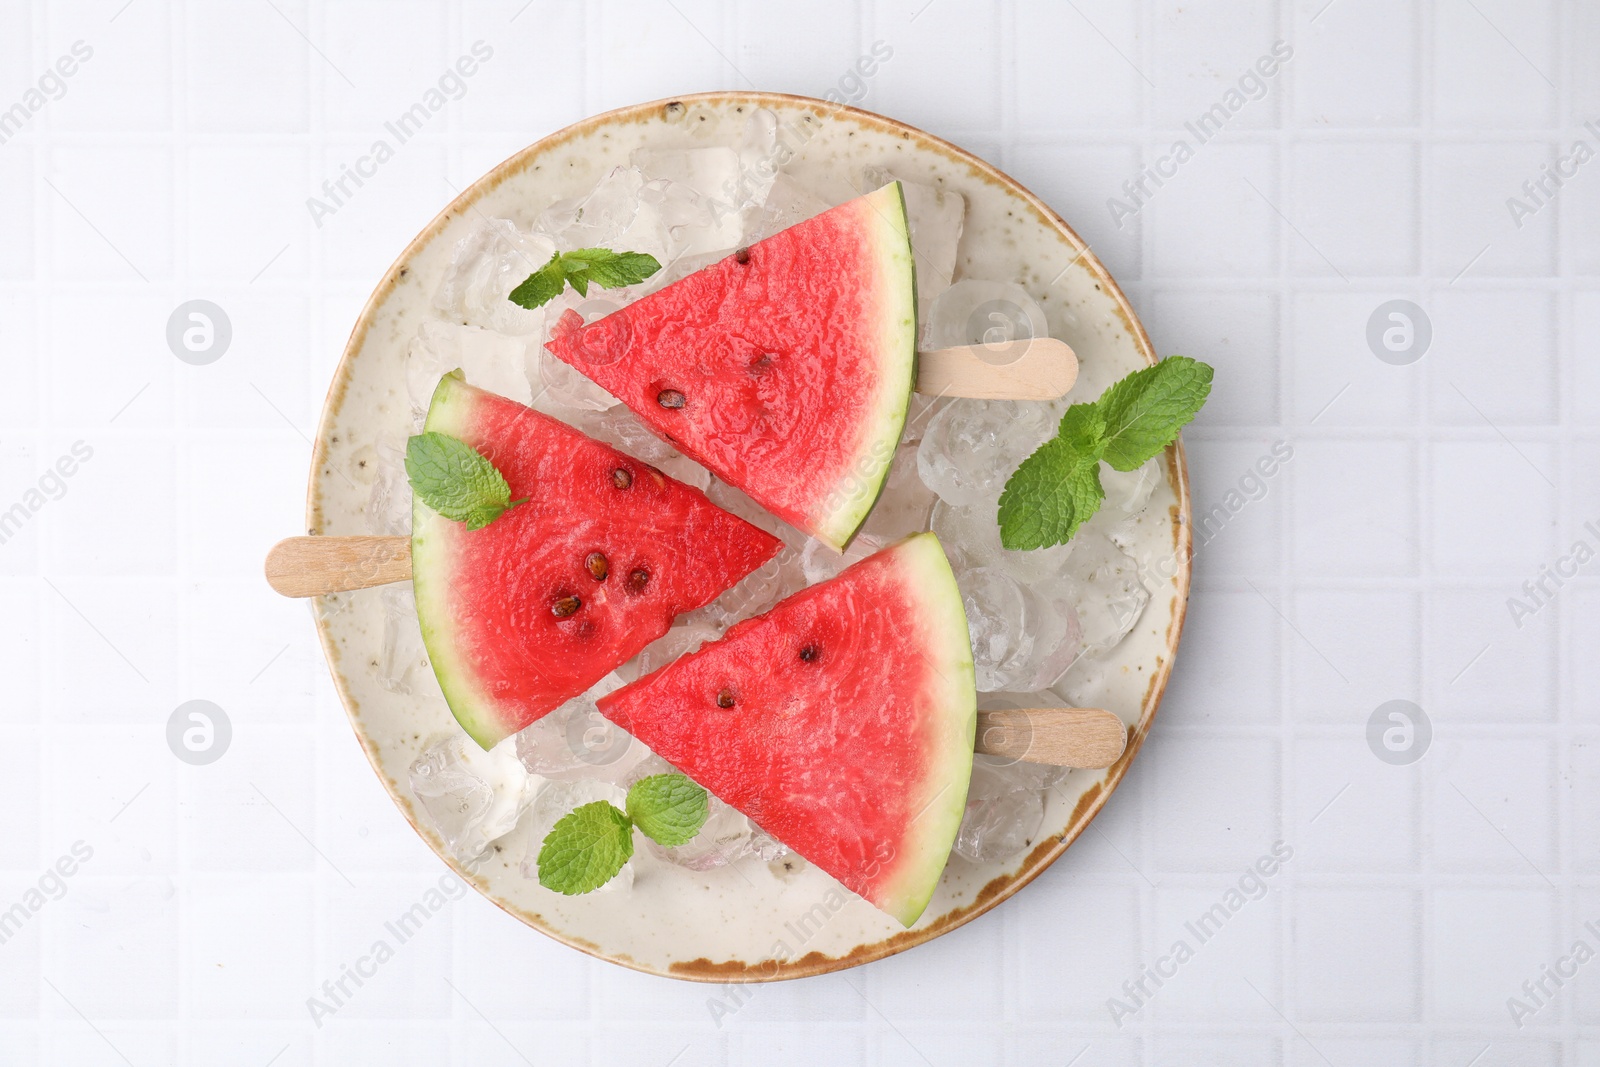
(750, 921)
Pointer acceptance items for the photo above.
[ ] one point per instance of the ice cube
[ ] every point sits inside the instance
(698, 192)
(1000, 316)
(402, 654)
(936, 215)
(972, 447)
(489, 360)
(787, 203)
(920, 411)
(563, 390)
(472, 797)
(728, 498)
(685, 470)
(757, 592)
(971, 538)
(1057, 633)
(997, 617)
(1088, 683)
(1005, 809)
(489, 262)
(611, 215)
(1111, 597)
(1023, 637)
(389, 505)
(1127, 492)
(620, 428)
(576, 741)
(711, 173)
(818, 562)
(905, 505)
(761, 154)
(556, 800)
(677, 642)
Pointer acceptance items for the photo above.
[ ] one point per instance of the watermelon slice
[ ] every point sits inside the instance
(841, 722)
(786, 368)
(539, 605)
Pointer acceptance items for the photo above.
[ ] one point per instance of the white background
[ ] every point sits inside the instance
(1377, 567)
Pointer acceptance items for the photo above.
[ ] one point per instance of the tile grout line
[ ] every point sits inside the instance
(42, 386)
(1287, 991)
(1426, 40)
(1566, 913)
(182, 402)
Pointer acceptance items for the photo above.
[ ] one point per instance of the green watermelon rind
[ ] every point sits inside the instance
(449, 412)
(946, 643)
(898, 373)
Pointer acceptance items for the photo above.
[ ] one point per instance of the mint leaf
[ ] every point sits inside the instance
(1084, 427)
(613, 270)
(1144, 411)
(668, 808)
(580, 268)
(585, 849)
(454, 479)
(1054, 491)
(542, 286)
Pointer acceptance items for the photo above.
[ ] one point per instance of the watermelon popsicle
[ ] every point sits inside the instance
(786, 369)
(841, 722)
(538, 605)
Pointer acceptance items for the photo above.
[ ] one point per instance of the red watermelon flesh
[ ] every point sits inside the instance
(514, 616)
(841, 722)
(786, 369)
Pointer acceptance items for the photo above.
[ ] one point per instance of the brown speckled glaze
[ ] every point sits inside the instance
(755, 923)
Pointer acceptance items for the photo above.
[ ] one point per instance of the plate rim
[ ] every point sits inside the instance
(1089, 805)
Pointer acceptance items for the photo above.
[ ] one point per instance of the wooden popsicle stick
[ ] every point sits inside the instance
(1039, 369)
(1063, 737)
(312, 566)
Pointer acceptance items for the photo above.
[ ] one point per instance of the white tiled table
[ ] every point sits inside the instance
(1375, 566)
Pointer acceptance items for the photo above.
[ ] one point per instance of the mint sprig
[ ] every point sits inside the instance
(579, 268)
(456, 480)
(588, 846)
(1057, 489)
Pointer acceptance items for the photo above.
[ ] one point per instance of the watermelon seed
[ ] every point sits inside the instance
(564, 606)
(637, 580)
(810, 653)
(597, 565)
(670, 398)
(621, 478)
(725, 698)
(742, 255)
